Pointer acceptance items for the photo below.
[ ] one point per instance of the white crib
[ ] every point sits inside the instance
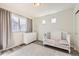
(58, 39)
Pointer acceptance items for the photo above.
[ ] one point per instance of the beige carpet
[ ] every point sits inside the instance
(36, 50)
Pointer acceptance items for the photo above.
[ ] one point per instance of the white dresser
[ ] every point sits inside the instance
(29, 37)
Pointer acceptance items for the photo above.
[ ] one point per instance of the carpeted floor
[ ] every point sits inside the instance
(73, 52)
(37, 49)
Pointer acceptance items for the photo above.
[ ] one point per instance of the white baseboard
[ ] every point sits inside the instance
(76, 49)
(40, 40)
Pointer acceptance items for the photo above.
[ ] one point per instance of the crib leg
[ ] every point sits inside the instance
(69, 51)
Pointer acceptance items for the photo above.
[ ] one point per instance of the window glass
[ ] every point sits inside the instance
(15, 23)
(19, 23)
(23, 24)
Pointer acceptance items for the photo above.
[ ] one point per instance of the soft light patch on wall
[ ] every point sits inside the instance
(53, 20)
(43, 22)
(36, 4)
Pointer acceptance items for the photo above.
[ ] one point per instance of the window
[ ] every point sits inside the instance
(18, 23)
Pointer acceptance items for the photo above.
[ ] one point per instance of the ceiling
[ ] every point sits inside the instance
(28, 10)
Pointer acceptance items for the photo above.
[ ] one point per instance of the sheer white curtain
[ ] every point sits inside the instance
(5, 28)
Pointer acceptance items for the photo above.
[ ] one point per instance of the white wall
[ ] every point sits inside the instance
(76, 27)
(64, 23)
